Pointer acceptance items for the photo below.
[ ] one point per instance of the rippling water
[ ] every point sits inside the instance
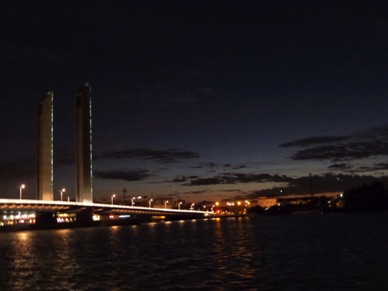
(305, 252)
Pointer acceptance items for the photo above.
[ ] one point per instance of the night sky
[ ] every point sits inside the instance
(199, 100)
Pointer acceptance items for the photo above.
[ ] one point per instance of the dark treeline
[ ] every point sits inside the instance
(373, 197)
(365, 198)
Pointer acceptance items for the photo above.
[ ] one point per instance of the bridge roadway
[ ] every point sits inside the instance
(96, 208)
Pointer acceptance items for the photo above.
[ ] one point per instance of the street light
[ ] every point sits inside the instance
(165, 204)
(179, 205)
(133, 201)
(113, 196)
(150, 202)
(62, 190)
(22, 186)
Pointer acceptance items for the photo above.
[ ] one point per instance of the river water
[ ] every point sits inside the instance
(297, 252)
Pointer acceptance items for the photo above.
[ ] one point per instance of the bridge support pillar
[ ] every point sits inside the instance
(85, 217)
(45, 219)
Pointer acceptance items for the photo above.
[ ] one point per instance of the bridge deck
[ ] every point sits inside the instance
(39, 205)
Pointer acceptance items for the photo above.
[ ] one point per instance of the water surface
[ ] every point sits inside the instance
(297, 252)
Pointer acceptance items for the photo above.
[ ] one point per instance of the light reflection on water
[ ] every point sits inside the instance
(317, 252)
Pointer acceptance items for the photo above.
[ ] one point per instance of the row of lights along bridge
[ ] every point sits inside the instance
(23, 186)
(150, 201)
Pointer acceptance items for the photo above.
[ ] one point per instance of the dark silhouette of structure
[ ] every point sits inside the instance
(83, 149)
(45, 148)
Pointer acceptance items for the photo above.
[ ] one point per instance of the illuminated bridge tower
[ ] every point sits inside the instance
(83, 150)
(45, 148)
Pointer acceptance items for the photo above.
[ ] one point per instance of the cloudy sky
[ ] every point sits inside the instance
(200, 100)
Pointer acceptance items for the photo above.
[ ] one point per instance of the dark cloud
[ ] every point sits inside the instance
(196, 167)
(342, 148)
(179, 179)
(239, 167)
(207, 181)
(160, 156)
(236, 167)
(233, 190)
(211, 165)
(124, 174)
(340, 166)
(301, 185)
(315, 140)
(247, 178)
(160, 170)
(372, 168)
(195, 192)
(343, 152)
(361, 169)
(234, 178)
(381, 166)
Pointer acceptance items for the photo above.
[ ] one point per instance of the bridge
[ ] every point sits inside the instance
(62, 214)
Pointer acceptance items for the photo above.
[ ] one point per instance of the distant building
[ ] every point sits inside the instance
(45, 148)
(83, 150)
(266, 202)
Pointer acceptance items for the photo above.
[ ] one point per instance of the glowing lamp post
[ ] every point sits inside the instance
(165, 204)
(179, 205)
(62, 190)
(113, 197)
(150, 202)
(22, 186)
